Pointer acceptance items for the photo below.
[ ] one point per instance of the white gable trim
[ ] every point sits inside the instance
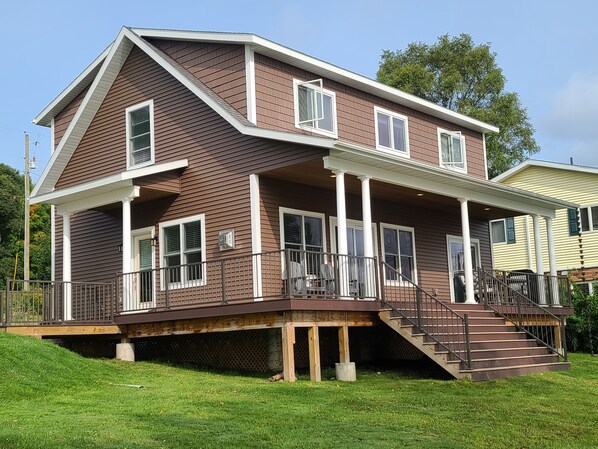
(545, 164)
(100, 87)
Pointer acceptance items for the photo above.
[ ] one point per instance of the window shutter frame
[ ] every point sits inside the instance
(510, 229)
(573, 221)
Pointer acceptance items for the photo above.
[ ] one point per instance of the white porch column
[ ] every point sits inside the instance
(366, 210)
(469, 291)
(368, 238)
(127, 279)
(256, 235)
(66, 266)
(539, 265)
(341, 244)
(126, 247)
(554, 285)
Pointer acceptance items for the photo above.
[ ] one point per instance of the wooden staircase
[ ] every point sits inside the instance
(496, 349)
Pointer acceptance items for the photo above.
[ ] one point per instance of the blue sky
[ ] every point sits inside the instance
(547, 50)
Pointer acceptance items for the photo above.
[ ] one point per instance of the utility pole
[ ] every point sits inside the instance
(26, 245)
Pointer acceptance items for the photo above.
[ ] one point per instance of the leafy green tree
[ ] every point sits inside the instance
(12, 203)
(582, 326)
(459, 75)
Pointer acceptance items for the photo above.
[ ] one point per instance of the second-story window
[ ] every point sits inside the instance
(140, 135)
(315, 107)
(452, 150)
(589, 218)
(391, 131)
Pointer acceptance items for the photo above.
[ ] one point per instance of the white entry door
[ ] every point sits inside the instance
(142, 279)
(456, 265)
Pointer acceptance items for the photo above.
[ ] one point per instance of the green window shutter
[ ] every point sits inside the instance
(573, 223)
(510, 222)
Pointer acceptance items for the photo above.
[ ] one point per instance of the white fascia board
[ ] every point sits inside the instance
(318, 66)
(545, 164)
(47, 114)
(101, 185)
(87, 110)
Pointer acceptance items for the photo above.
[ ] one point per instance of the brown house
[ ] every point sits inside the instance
(210, 182)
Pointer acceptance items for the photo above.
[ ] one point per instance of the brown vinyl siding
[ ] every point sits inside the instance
(221, 67)
(63, 118)
(215, 183)
(355, 114)
(430, 226)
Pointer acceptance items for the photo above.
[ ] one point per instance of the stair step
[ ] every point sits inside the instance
(519, 370)
(514, 361)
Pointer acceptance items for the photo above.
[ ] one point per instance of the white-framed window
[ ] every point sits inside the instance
(355, 242)
(303, 233)
(398, 251)
(391, 131)
(588, 288)
(182, 252)
(503, 230)
(140, 134)
(588, 216)
(315, 107)
(451, 146)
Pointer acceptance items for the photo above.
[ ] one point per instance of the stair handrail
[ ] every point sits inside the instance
(453, 338)
(516, 308)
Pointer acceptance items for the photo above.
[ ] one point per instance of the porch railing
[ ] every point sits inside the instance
(528, 316)
(428, 315)
(53, 302)
(275, 274)
(542, 289)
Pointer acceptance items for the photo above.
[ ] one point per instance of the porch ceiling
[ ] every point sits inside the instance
(314, 174)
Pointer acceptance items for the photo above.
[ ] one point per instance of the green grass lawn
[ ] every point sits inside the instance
(52, 398)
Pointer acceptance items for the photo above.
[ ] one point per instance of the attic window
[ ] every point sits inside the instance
(140, 135)
(452, 150)
(315, 108)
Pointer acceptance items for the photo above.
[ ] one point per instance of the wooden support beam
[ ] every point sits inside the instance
(266, 320)
(315, 370)
(65, 330)
(343, 344)
(288, 352)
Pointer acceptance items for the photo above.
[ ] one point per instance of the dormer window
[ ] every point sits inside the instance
(452, 150)
(140, 135)
(391, 132)
(315, 107)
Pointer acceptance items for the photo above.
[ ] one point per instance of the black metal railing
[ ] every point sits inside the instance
(275, 274)
(542, 289)
(510, 303)
(53, 302)
(428, 315)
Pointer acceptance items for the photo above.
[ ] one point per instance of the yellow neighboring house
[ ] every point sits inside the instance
(575, 231)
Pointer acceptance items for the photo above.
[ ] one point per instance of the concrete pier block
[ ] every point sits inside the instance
(346, 372)
(125, 351)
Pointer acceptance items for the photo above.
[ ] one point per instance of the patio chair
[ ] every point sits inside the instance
(327, 275)
(296, 273)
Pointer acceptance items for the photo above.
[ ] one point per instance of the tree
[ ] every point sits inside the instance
(459, 75)
(12, 202)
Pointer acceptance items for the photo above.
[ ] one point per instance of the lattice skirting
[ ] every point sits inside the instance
(249, 350)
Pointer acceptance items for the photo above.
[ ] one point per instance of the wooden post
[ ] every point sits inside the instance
(315, 371)
(288, 352)
(343, 344)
